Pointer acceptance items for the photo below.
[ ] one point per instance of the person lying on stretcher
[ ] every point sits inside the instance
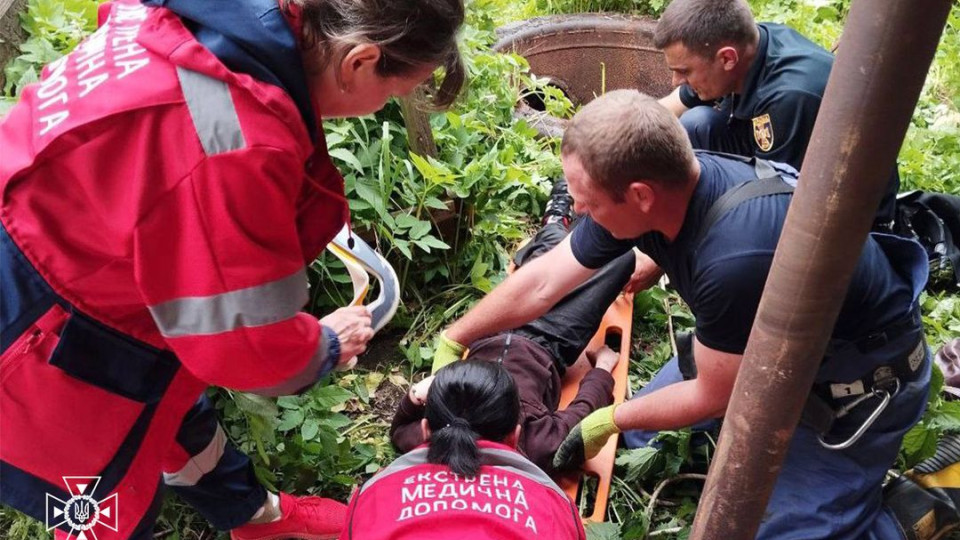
(537, 354)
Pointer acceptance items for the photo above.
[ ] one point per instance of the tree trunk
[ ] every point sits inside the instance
(11, 35)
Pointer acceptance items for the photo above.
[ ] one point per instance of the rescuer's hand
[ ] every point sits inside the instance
(586, 439)
(447, 351)
(352, 326)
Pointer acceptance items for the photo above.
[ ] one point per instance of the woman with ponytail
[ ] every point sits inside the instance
(468, 480)
(478, 400)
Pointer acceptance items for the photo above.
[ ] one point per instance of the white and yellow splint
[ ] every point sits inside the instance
(361, 262)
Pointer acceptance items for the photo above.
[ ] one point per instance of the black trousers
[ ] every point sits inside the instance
(566, 329)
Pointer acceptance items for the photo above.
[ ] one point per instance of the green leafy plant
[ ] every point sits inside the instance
(447, 222)
(53, 27)
(941, 321)
(941, 416)
(308, 442)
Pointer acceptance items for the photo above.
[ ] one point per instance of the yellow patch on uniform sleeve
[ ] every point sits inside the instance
(763, 132)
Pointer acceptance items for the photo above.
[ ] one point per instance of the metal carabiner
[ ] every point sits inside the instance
(885, 396)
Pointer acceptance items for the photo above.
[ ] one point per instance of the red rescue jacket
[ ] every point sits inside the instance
(510, 498)
(172, 206)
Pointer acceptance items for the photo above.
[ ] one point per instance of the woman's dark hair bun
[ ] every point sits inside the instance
(468, 400)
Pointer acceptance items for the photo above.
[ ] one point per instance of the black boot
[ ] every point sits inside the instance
(559, 205)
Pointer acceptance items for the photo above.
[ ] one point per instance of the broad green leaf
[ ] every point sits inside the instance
(347, 157)
(482, 284)
(334, 139)
(421, 245)
(326, 397)
(254, 404)
(309, 429)
(290, 419)
(419, 229)
(947, 417)
(919, 443)
(328, 438)
(936, 383)
(404, 247)
(434, 203)
(406, 221)
(602, 531)
(288, 402)
(369, 192)
(479, 269)
(434, 242)
(432, 170)
(639, 462)
(454, 120)
(336, 421)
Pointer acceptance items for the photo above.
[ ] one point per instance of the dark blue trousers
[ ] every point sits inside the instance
(217, 480)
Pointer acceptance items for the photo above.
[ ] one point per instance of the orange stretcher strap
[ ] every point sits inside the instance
(617, 321)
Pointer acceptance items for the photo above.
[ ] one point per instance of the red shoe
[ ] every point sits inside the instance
(307, 518)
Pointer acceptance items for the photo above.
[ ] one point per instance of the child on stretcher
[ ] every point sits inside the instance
(536, 356)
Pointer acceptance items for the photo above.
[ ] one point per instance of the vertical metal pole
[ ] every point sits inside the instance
(884, 55)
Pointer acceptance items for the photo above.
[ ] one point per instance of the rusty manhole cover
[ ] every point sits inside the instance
(587, 54)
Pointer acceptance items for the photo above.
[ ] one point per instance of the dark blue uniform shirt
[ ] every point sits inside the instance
(722, 280)
(781, 94)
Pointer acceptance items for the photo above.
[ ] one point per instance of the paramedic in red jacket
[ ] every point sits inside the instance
(162, 190)
(468, 482)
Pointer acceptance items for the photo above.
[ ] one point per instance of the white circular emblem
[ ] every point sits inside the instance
(81, 512)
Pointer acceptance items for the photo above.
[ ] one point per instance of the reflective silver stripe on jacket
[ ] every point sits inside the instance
(213, 112)
(501, 459)
(200, 464)
(244, 308)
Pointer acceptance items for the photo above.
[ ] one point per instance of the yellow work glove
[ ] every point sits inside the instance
(447, 351)
(586, 439)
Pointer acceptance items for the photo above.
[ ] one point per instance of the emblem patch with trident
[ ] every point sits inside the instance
(81, 512)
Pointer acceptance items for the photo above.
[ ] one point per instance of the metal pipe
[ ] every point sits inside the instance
(884, 55)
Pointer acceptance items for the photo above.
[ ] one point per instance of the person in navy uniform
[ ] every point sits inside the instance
(746, 88)
(637, 181)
